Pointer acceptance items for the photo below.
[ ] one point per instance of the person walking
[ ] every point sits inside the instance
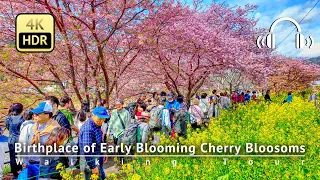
(57, 114)
(120, 119)
(90, 133)
(313, 98)
(13, 122)
(79, 119)
(235, 98)
(41, 130)
(241, 98)
(172, 105)
(267, 97)
(224, 101)
(59, 137)
(205, 107)
(65, 103)
(289, 97)
(214, 102)
(196, 114)
(247, 97)
(82, 115)
(26, 127)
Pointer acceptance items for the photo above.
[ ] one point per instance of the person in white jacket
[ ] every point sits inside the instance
(26, 130)
(206, 107)
(224, 101)
(165, 118)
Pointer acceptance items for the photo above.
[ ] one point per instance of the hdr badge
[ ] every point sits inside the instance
(35, 33)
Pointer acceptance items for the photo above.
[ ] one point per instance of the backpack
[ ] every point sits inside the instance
(135, 133)
(131, 106)
(181, 119)
(155, 118)
(193, 118)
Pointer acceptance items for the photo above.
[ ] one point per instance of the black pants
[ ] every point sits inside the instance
(13, 164)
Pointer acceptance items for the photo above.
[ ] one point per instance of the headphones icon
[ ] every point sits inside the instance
(270, 38)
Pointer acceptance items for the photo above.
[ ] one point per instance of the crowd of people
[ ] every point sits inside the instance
(52, 122)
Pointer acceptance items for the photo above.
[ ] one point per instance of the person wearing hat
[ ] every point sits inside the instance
(90, 133)
(41, 130)
(120, 119)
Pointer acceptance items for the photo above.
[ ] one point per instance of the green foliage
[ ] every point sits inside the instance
(6, 169)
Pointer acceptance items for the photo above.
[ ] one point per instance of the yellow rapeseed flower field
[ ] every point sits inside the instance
(273, 124)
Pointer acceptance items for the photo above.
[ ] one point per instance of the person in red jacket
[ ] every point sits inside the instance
(235, 97)
(254, 96)
(241, 98)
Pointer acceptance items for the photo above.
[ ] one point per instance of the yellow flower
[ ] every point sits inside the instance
(59, 167)
(94, 177)
(136, 177)
(148, 169)
(113, 175)
(166, 171)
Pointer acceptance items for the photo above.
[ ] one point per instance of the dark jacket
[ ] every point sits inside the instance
(62, 120)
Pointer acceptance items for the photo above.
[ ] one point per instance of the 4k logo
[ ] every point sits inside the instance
(35, 33)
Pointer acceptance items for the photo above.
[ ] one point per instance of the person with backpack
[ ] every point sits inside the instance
(43, 126)
(205, 107)
(57, 114)
(196, 114)
(65, 103)
(160, 118)
(181, 117)
(91, 132)
(131, 109)
(13, 122)
(120, 119)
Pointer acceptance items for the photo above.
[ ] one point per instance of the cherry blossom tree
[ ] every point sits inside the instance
(189, 45)
(96, 43)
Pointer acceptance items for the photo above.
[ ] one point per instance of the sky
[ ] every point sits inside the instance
(270, 10)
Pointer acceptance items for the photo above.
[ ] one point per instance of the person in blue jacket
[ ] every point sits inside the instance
(247, 97)
(289, 98)
(172, 105)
